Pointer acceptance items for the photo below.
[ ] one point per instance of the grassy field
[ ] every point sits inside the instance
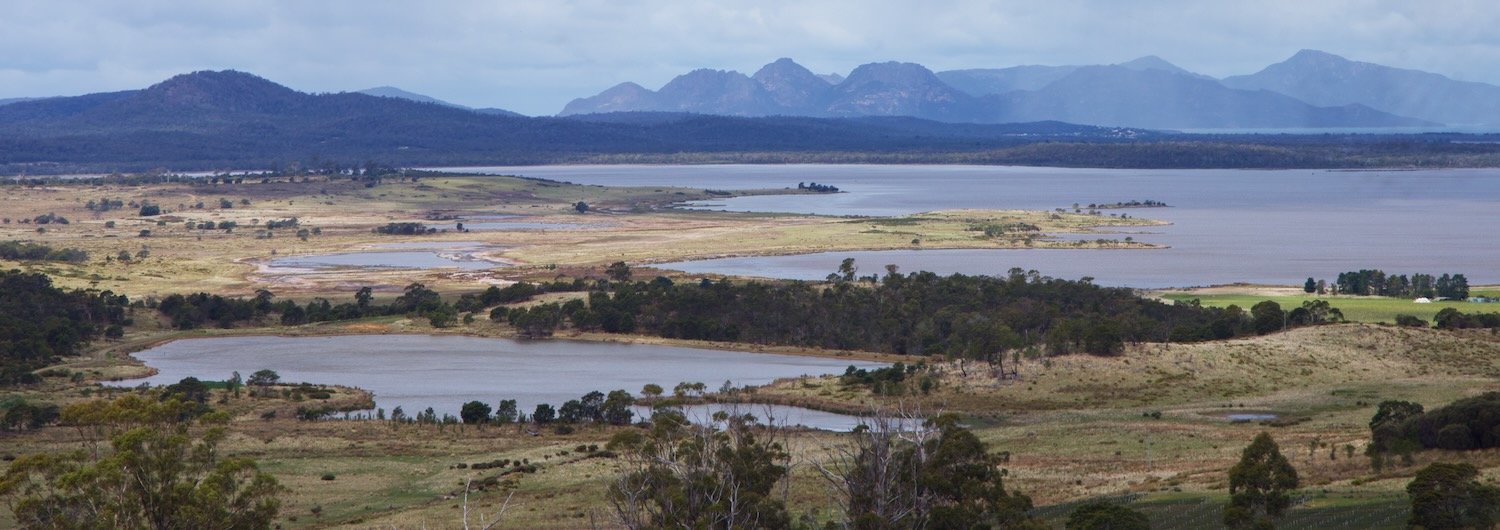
(1355, 308)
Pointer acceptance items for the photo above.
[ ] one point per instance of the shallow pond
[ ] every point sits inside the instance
(435, 256)
(1228, 225)
(504, 223)
(443, 372)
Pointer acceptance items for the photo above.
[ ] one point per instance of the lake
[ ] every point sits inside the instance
(443, 372)
(1259, 226)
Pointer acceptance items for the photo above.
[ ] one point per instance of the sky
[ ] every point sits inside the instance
(534, 56)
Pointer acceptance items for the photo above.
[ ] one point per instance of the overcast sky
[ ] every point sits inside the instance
(534, 56)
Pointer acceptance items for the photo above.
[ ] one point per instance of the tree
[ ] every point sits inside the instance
(534, 322)
(593, 405)
(163, 471)
(1447, 496)
(189, 389)
(1106, 516)
(544, 413)
(616, 408)
(363, 296)
(618, 271)
(475, 412)
(847, 270)
(506, 411)
(571, 411)
(1385, 425)
(720, 476)
(1259, 486)
(936, 474)
(266, 377)
(1310, 286)
(1267, 317)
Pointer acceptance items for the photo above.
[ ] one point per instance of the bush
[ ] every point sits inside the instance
(1106, 516)
(1455, 436)
(1410, 321)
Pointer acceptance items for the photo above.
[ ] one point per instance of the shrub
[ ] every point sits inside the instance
(1455, 436)
(1410, 321)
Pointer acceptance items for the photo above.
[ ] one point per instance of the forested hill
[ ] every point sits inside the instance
(235, 121)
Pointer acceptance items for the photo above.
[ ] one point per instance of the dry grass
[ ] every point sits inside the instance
(625, 224)
(1075, 427)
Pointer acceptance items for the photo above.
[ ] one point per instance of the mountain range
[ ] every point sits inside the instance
(216, 119)
(879, 113)
(1311, 89)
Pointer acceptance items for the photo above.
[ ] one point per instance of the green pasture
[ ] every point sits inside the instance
(1355, 308)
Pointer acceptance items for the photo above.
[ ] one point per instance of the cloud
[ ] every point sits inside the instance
(533, 56)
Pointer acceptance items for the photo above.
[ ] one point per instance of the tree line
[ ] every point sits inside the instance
(1375, 282)
(596, 407)
(27, 251)
(201, 309)
(978, 317)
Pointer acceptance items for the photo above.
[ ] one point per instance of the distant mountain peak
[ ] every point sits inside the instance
(901, 89)
(1152, 62)
(226, 89)
(794, 88)
(1325, 79)
(1307, 54)
(209, 79)
(623, 97)
(892, 73)
(710, 91)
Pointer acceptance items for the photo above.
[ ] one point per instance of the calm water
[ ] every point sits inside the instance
(1228, 225)
(443, 372)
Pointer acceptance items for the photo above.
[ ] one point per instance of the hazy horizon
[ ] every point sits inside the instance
(533, 57)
